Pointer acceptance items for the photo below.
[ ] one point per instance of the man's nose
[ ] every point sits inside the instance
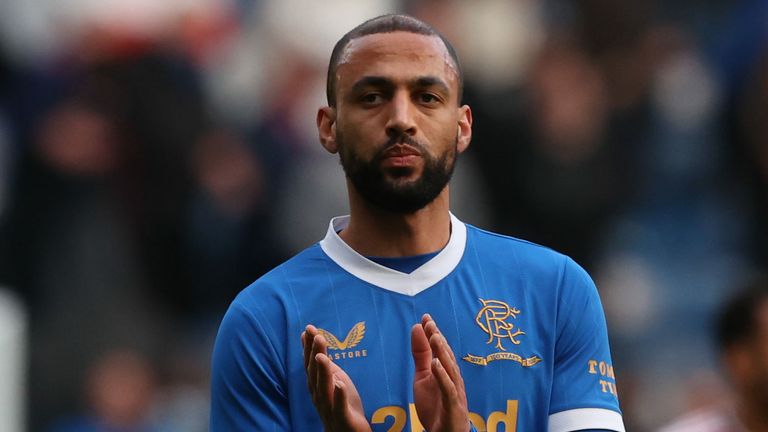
(401, 116)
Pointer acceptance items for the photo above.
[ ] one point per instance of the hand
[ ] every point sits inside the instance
(333, 392)
(438, 388)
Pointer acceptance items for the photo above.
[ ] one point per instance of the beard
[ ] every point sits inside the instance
(391, 191)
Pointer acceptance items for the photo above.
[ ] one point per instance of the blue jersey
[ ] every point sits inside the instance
(525, 323)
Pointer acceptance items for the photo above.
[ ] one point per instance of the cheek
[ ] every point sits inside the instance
(353, 140)
(443, 133)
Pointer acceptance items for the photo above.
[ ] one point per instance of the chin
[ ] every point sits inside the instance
(402, 175)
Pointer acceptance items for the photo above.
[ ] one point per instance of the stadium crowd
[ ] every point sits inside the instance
(154, 160)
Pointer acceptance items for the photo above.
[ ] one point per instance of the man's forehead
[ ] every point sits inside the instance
(370, 50)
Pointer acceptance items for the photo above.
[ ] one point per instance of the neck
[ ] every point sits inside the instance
(375, 232)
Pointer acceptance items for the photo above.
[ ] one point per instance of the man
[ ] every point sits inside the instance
(742, 338)
(344, 336)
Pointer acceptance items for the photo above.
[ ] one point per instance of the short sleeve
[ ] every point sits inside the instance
(247, 378)
(584, 394)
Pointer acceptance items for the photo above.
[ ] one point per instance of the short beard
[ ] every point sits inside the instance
(402, 197)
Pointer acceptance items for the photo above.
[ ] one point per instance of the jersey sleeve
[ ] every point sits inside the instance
(247, 378)
(584, 392)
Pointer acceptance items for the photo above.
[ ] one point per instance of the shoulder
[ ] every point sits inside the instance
(306, 266)
(528, 257)
(551, 275)
(262, 313)
(494, 242)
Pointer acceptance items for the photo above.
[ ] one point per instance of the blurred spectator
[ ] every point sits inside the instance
(75, 262)
(684, 232)
(229, 238)
(183, 398)
(155, 158)
(553, 159)
(119, 388)
(753, 132)
(742, 343)
(92, 233)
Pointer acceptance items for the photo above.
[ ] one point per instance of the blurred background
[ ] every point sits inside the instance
(156, 157)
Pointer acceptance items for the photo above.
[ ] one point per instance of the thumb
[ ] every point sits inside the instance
(421, 351)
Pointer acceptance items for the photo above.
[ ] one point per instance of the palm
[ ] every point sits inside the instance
(354, 418)
(429, 405)
(438, 388)
(333, 393)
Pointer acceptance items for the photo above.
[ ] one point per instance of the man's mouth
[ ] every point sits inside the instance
(401, 150)
(400, 156)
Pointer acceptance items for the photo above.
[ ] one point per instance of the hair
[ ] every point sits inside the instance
(386, 24)
(737, 322)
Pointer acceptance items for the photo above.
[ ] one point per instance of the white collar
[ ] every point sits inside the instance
(409, 284)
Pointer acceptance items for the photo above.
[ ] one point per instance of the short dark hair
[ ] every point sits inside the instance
(386, 24)
(738, 320)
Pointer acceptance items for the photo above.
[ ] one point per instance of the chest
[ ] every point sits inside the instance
(501, 335)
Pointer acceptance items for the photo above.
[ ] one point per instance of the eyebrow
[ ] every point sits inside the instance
(388, 84)
(430, 81)
(372, 81)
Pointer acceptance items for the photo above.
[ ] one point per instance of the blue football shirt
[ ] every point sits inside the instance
(525, 323)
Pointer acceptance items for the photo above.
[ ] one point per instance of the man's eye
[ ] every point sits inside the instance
(371, 98)
(428, 98)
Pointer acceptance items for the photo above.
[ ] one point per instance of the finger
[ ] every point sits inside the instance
(421, 350)
(311, 375)
(307, 337)
(448, 349)
(444, 383)
(306, 347)
(430, 328)
(318, 347)
(340, 403)
(443, 351)
(425, 319)
(324, 390)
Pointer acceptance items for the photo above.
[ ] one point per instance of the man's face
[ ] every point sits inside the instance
(398, 126)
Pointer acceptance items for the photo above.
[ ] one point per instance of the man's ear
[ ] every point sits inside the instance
(464, 128)
(326, 128)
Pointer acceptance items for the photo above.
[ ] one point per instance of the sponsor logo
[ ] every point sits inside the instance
(397, 417)
(607, 377)
(353, 339)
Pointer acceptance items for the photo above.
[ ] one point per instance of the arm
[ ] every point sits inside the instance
(247, 380)
(584, 395)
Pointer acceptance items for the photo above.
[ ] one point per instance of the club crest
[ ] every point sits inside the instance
(495, 319)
